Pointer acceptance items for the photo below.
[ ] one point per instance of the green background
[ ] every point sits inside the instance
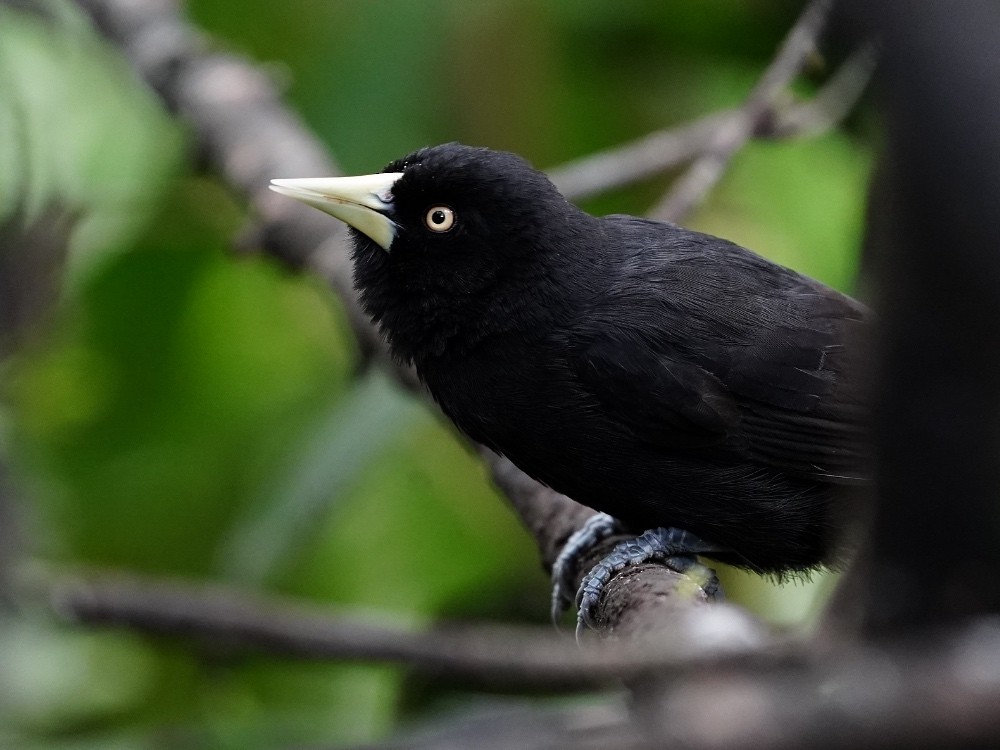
(192, 413)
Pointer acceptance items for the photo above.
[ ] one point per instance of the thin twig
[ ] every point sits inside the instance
(657, 153)
(638, 160)
(828, 106)
(702, 176)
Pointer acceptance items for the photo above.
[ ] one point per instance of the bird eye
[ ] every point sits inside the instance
(439, 218)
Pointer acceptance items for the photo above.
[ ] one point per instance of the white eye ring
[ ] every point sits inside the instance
(439, 218)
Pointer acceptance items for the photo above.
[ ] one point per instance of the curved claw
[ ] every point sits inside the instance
(597, 528)
(674, 548)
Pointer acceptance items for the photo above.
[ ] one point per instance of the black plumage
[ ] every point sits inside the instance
(666, 377)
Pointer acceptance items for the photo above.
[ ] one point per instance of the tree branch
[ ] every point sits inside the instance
(244, 134)
(942, 692)
(527, 726)
(485, 655)
(32, 256)
(829, 105)
(646, 157)
(938, 690)
(659, 152)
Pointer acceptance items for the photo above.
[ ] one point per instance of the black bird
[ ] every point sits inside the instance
(666, 377)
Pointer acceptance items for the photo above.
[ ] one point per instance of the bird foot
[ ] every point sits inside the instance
(673, 548)
(596, 529)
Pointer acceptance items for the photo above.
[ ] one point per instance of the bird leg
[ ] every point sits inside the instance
(596, 529)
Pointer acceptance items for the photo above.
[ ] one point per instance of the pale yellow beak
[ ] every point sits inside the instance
(364, 202)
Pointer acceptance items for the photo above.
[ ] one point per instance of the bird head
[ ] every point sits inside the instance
(436, 200)
(442, 234)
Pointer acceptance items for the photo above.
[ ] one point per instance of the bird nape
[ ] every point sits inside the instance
(673, 380)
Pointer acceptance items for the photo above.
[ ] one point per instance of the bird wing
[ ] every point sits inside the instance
(798, 391)
(766, 407)
(723, 348)
(659, 398)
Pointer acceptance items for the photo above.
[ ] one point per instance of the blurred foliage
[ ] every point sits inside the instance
(185, 412)
(76, 134)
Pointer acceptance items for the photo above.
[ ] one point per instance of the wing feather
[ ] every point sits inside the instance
(722, 349)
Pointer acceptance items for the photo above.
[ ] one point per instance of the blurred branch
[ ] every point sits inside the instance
(641, 159)
(244, 133)
(942, 691)
(485, 655)
(10, 541)
(526, 726)
(32, 257)
(733, 134)
(938, 693)
(664, 150)
(831, 104)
